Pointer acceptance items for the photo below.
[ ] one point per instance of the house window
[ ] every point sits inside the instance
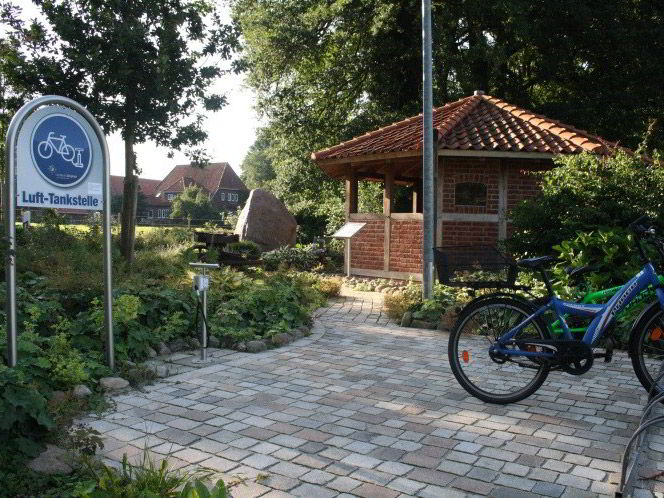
(163, 213)
(222, 196)
(170, 196)
(232, 197)
(470, 194)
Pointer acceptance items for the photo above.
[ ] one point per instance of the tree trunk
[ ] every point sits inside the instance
(129, 198)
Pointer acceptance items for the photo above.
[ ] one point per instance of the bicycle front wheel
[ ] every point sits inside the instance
(495, 380)
(646, 348)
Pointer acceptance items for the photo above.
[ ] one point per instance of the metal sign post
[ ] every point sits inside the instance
(201, 285)
(428, 209)
(56, 157)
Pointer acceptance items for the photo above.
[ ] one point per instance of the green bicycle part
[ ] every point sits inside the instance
(594, 298)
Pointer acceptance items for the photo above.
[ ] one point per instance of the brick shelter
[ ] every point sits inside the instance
(485, 151)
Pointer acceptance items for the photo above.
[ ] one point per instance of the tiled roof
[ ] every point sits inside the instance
(475, 123)
(146, 186)
(210, 178)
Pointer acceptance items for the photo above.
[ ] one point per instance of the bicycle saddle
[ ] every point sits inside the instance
(536, 263)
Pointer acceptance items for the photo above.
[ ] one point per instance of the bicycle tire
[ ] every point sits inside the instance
(643, 330)
(525, 309)
(47, 148)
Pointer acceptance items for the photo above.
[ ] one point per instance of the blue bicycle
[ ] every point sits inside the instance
(501, 349)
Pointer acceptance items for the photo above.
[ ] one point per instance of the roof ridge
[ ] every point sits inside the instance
(460, 112)
(529, 117)
(396, 124)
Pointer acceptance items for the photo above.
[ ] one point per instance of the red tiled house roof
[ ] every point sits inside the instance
(475, 123)
(210, 178)
(146, 186)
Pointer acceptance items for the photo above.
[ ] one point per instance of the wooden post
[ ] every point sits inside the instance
(388, 204)
(502, 201)
(351, 207)
(351, 194)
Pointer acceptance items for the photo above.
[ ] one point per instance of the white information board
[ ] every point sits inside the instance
(59, 161)
(348, 230)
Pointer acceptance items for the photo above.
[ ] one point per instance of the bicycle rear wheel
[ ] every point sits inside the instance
(495, 380)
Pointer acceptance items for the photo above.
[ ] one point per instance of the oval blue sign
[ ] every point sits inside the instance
(61, 150)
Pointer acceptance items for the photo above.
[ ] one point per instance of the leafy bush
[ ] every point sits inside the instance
(145, 479)
(245, 248)
(584, 192)
(405, 300)
(24, 411)
(159, 238)
(261, 307)
(328, 286)
(612, 251)
(299, 258)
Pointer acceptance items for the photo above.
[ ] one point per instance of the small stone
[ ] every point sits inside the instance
(161, 371)
(81, 391)
(151, 353)
(194, 343)
(422, 324)
(130, 363)
(296, 334)
(214, 342)
(407, 319)
(58, 396)
(177, 345)
(256, 346)
(52, 460)
(241, 346)
(163, 349)
(280, 339)
(113, 383)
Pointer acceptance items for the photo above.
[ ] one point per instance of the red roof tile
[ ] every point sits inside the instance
(210, 178)
(146, 186)
(475, 123)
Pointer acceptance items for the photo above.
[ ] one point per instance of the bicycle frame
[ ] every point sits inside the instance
(593, 298)
(602, 314)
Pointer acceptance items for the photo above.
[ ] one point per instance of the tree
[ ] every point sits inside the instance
(257, 167)
(193, 203)
(143, 67)
(325, 71)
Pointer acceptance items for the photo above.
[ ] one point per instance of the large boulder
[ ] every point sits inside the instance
(266, 221)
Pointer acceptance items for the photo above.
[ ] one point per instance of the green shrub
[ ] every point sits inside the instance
(268, 305)
(68, 367)
(160, 238)
(298, 258)
(24, 411)
(146, 479)
(328, 286)
(245, 248)
(584, 192)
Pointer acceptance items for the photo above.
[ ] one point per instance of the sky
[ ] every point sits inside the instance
(231, 131)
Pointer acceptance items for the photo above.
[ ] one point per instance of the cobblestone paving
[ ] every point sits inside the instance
(365, 408)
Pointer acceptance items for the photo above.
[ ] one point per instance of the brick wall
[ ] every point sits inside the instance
(367, 249)
(458, 170)
(469, 233)
(406, 246)
(521, 183)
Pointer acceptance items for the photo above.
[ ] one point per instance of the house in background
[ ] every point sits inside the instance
(218, 180)
(149, 205)
(485, 149)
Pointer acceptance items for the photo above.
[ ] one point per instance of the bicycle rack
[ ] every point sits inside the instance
(630, 466)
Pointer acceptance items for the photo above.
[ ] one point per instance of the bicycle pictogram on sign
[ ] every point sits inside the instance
(69, 153)
(61, 150)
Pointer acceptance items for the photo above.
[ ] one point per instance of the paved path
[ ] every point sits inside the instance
(366, 408)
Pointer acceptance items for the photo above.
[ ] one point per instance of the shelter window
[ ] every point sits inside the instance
(470, 194)
(222, 196)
